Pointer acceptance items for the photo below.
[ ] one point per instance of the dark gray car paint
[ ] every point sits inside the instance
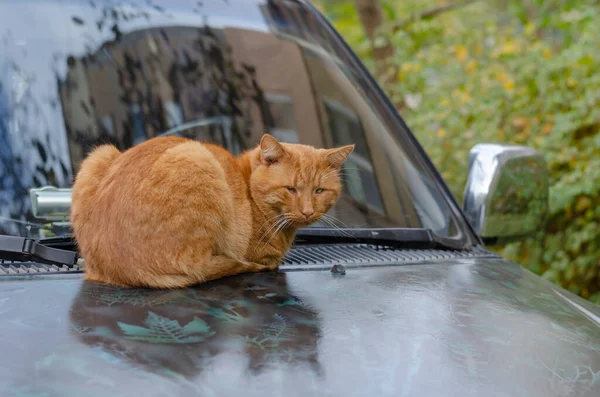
(465, 327)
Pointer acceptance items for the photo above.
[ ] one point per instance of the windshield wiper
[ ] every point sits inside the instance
(25, 249)
(396, 237)
(60, 250)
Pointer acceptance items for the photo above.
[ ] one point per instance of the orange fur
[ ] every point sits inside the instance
(173, 212)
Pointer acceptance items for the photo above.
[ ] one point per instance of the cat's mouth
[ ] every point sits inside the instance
(303, 221)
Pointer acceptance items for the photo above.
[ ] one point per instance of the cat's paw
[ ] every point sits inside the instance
(271, 263)
(263, 267)
(273, 266)
(255, 267)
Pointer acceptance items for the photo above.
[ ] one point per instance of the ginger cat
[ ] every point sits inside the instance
(173, 212)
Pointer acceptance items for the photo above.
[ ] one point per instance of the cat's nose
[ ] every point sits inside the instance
(308, 212)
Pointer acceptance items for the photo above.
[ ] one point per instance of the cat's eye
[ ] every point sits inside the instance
(291, 189)
(319, 190)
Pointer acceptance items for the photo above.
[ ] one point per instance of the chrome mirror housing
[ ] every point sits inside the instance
(506, 195)
(50, 203)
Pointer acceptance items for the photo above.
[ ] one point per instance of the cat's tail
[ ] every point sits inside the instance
(84, 200)
(94, 167)
(89, 178)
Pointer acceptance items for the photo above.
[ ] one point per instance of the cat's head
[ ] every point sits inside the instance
(294, 182)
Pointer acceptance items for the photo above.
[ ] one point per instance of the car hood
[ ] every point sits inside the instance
(468, 327)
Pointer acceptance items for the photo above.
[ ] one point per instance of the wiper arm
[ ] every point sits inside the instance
(397, 237)
(25, 249)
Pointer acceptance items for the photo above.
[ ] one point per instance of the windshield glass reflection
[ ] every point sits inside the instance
(74, 75)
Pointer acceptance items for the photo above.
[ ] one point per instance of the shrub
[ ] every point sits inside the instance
(523, 72)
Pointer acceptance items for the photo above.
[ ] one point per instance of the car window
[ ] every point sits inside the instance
(226, 72)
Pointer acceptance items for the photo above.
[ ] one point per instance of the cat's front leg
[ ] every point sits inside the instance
(216, 267)
(221, 266)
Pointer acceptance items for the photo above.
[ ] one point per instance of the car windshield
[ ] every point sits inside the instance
(75, 74)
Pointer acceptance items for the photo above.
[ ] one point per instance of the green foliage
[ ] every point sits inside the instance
(524, 72)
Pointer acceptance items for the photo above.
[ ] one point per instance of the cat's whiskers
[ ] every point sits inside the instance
(327, 175)
(273, 226)
(330, 221)
(278, 219)
(272, 219)
(286, 221)
(333, 218)
(344, 171)
(339, 175)
(349, 175)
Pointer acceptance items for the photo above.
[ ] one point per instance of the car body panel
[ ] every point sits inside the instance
(463, 327)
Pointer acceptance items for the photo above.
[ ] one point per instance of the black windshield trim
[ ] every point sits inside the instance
(398, 237)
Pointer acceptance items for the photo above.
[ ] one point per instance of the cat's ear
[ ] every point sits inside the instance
(271, 150)
(337, 156)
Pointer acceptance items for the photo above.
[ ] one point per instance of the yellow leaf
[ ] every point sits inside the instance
(538, 140)
(546, 53)
(571, 82)
(441, 133)
(441, 116)
(521, 137)
(464, 97)
(519, 123)
(508, 48)
(529, 29)
(547, 128)
(461, 53)
(479, 49)
(471, 66)
(501, 77)
(573, 162)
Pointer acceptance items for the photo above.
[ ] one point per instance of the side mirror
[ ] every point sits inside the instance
(506, 196)
(50, 203)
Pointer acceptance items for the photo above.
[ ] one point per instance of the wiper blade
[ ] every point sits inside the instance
(25, 249)
(397, 237)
